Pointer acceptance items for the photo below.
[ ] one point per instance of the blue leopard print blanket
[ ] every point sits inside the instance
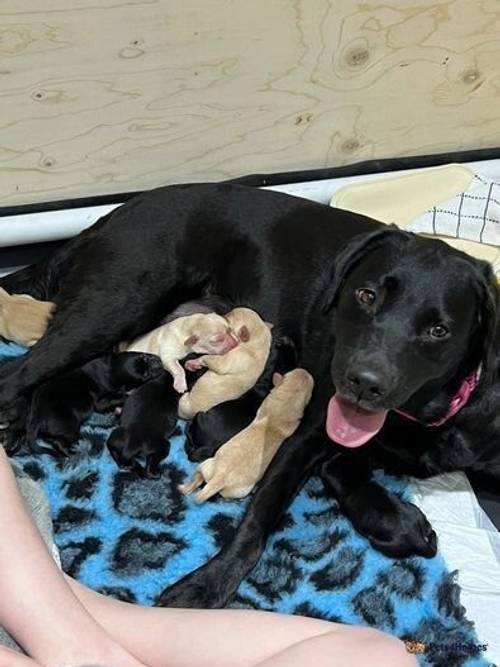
(131, 537)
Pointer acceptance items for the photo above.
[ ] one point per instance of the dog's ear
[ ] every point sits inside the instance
(352, 253)
(192, 340)
(244, 334)
(277, 379)
(489, 299)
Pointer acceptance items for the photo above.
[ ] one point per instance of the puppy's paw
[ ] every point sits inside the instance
(194, 364)
(180, 384)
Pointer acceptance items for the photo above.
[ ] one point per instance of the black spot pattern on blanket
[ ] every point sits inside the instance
(138, 550)
(118, 593)
(404, 578)
(341, 571)
(74, 554)
(146, 499)
(222, 527)
(81, 488)
(71, 517)
(448, 597)
(375, 608)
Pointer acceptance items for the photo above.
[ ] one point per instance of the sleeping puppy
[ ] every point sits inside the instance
(242, 461)
(60, 405)
(209, 430)
(231, 375)
(148, 419)
(201, 333)
(23, 319)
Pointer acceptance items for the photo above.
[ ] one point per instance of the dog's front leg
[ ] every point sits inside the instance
(393, 526)
(213, 585)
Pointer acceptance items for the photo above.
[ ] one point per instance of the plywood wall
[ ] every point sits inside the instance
(103, 96)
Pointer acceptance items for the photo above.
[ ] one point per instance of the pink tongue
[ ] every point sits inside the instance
(350, 425)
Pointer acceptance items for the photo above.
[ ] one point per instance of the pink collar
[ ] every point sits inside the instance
(457, 402)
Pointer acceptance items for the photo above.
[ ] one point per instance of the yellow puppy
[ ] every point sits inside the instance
(23, 319)
(231, 375)
(198, 333)
(242, 461)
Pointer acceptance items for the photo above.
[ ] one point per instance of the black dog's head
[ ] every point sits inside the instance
(412, 317)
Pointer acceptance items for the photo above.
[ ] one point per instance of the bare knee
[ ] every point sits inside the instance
(385, 650)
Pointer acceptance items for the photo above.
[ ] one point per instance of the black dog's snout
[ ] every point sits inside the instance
(366, 384)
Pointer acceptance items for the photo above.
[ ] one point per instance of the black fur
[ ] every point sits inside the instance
(278, 255)
(148, 419)
(60, 405)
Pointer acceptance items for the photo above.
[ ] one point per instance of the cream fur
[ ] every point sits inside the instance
(175, 340)
(241, 462)
(231, 375)
(23, 319)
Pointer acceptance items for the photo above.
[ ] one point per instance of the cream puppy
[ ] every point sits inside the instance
(242, 461)
(231, 375)
(23, 319)
(200, 333)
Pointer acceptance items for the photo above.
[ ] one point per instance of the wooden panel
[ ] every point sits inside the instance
(102, 96)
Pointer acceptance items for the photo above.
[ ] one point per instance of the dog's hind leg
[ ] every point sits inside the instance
(81, 329)
(32, 280)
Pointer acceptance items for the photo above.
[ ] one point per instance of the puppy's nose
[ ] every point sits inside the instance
(367, 384)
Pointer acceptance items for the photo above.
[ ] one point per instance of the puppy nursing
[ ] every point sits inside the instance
(23, 319)
(241, 462)
(201, 333)
(231, 375)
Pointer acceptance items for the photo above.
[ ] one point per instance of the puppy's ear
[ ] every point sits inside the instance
(489, 298)
(277, 379)
(192, 340)
(352, 253)
(244, 334)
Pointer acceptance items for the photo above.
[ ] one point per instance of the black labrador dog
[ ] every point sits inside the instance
(382, 319)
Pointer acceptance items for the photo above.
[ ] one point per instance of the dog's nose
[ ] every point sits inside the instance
(367, 384)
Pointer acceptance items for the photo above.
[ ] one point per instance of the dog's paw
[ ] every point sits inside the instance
(400, 531)
(194, 364)
(205, 588)
(180, 384)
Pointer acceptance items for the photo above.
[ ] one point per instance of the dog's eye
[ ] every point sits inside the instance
(439, 331)
(366, 296)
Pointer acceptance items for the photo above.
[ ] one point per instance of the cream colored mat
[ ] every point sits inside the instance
(431, 202)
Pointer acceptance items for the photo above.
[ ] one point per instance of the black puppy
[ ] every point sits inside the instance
(210, 430)
(60, 406)
(147, 421)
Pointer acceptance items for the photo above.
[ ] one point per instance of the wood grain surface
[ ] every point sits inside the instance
(104, 96)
